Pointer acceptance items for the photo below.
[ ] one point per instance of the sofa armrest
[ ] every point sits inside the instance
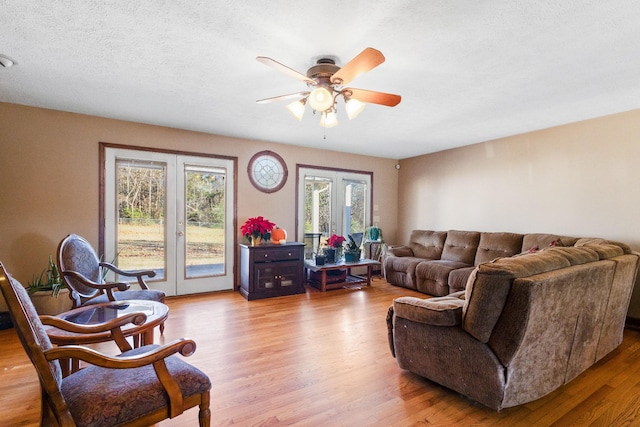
(439, 311)
(400, 251)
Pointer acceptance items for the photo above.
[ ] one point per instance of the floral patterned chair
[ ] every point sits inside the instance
(81, 271)
(139, 387)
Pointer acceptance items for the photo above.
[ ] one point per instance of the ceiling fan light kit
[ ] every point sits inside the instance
(321, 99)
(296, 108)
(354, 107)
(328, 119)
(326, 81)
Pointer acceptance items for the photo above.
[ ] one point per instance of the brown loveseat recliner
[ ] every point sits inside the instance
(524, 325)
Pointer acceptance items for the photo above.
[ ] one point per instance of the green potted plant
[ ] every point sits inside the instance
(352, 252)
(374, 245)
(48, 291)
(374, 234)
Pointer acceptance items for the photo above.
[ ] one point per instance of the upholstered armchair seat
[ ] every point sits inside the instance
(103, 396)
(147, 295)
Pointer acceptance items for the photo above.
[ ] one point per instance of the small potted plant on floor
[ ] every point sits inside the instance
(48, 291)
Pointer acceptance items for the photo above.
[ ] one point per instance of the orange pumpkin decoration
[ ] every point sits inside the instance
(278, 235)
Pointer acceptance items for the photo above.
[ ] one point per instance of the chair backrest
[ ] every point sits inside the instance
(76, 254)
(35, 342)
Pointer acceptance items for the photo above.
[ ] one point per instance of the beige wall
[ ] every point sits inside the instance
(581, 179)
(49, 178)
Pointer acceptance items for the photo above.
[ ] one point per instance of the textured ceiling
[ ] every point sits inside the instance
(468, 71)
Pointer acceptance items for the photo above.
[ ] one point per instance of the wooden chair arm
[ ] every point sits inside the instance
(121, 286)
(156, 357)
(114, 327)
(185, 347)
(138, 274)
(136, 318)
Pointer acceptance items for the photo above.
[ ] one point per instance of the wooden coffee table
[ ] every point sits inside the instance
(350, 279)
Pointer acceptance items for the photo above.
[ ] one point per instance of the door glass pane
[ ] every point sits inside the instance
(355, 203)
(140, 218)
(205, 218)
(317, 212)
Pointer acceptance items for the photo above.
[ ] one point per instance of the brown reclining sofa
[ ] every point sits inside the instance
(515, 316)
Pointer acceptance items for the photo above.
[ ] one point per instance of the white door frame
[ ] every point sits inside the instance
(338, 177)
(174, 282)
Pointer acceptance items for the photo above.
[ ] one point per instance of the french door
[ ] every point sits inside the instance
(332, 201)
(172, 214)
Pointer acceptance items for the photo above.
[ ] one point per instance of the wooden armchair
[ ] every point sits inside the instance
(139, 387)
(81, 269)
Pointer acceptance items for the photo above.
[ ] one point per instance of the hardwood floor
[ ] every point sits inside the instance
(322, 359)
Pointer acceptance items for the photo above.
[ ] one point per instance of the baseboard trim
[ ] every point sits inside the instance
(5, 320)
(632, 323)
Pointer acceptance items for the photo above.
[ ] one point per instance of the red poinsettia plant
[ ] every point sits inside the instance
(335, 241)
(257, 227)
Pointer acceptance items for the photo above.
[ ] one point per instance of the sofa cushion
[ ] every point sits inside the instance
(489, 286)
(399, 250)
(461, 246)
(439, 311)
(543, 240)
(497, 245)
(432, 277)
(458, 278)
(401, 271)
(575, 255)
(427, 244)
(490, 283)
(605, 248)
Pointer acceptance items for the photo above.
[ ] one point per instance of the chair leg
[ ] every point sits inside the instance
(204, 415)
(47, 419)
(161, 328)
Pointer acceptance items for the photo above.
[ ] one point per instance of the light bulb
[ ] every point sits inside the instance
(321, 99)
(353, 108)
(329, 120)
(296, 109)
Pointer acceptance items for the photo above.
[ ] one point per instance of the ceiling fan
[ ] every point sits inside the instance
(326, 82)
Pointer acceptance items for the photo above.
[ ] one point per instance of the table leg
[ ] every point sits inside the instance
(368, 275)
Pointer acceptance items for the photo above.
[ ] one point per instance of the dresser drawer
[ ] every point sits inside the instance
(269, 254)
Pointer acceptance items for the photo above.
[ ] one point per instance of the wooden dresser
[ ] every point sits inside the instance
(271, 270)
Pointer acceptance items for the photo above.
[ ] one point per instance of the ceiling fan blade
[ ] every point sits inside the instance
(284, 69)
(297, 95)
(373, 97)
(366, 60)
